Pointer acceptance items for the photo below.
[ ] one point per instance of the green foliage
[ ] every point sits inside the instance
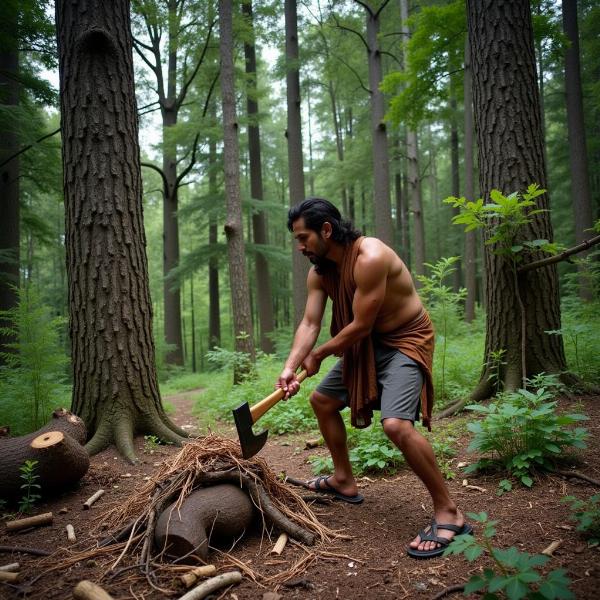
(30, 487)
(443, 304)
(515, 575)
(226, 360)
(521, 432)
(587, 515)
(32, 382)
(496, 363)
(503, 218)
(151, 443)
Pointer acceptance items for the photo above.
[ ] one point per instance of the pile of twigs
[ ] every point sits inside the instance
(204, 461)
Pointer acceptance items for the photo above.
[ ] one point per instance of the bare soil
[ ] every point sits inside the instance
(373, 564)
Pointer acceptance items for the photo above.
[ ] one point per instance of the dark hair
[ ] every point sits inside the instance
(317, 211)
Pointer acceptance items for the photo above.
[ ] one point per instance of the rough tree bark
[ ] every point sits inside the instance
(470, 236)
(511, 156)
(381, 172)
(300, 265)
(9, 173)
(580, 182)
(214, 308)
(264, 294)
(115, 388)
(238, 276)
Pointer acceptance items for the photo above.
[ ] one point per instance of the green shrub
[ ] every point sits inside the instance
(30, 487)
(522, 432)
(587, 515)
(514, 575)
(33, 380)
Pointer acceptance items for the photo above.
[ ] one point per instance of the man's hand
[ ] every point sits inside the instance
(312, 364)
(288, 382)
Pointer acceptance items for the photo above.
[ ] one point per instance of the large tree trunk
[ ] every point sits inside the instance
(238, 276)
(300, 265)
(470, 236)
(580, 182)
(9, 173)
(115, 388)
(381, 172)
(259, 228)
(511, 156)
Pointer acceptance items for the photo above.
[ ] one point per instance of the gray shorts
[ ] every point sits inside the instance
(399, 383)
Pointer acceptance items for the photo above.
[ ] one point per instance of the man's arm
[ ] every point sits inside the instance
(370, 274)
(306, 333)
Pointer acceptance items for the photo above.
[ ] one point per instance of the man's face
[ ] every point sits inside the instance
(311, 243)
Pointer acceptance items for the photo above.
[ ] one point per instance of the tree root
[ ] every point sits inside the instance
(33, 551)
(577, 475)
(449, 590)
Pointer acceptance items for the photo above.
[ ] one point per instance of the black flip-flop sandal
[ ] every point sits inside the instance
(432, 536)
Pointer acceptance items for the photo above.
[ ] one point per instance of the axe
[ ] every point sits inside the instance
(245, 417)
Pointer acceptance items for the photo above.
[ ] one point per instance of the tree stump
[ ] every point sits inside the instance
(219, 512)
(61, 459)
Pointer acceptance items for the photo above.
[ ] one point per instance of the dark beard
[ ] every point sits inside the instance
(322, 264)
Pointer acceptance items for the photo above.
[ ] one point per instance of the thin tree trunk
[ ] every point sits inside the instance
(381, 173)
(115, 388)
(470, 236)
(9, 173)
(193, 316)
(300, 265)
(263, 278)
(455, 168)
(339, 144)
(511, 156)
(580, 181)
(238, 276)
(214, 308)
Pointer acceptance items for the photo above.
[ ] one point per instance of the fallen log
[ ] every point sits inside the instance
(213, 513)
(57, 449)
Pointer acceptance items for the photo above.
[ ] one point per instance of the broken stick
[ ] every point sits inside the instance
(43, 519)
(86, 590)
(192, 576)
(71, 533)
(549, 551)
(280, 544)
(10, 567)
(88, 503)
(212, 584)
(7, 577)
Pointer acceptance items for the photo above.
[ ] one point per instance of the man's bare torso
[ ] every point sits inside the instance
(401, 303)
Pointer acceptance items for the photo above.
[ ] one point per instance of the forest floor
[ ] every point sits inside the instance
(373, 564)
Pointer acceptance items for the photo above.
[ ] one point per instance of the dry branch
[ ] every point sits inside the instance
(213, 584)
(86, 590)
(88, 503)
(8, 577)
(192, 576)
(10, 567)
(577, 475)
(37, 521)
(22, 550)
(71, 533)
(280, 544)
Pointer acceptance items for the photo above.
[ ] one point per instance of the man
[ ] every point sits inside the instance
(385, 338)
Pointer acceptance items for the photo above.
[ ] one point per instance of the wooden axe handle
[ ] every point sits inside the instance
(260, 408)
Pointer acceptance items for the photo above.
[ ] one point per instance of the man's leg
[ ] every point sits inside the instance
(419, 455)
(333, 430)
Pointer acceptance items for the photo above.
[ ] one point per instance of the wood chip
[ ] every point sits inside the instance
(88, 503)
(549, 551)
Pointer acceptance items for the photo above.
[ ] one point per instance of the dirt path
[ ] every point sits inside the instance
(370, 566)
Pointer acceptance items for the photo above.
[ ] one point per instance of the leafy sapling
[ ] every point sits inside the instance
(514, 575)
(587, 515)
(30, 487)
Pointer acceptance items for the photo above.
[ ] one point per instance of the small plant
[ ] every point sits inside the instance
(514, 574)
(522, 432)
(587, 515)
(442, 302)
(151, 443)
(495, 365)
(30, 487)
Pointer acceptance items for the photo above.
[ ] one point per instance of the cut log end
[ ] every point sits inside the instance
(46, 440)
(86, 590)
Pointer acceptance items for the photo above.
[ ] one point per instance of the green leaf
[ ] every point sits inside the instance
(474, 584)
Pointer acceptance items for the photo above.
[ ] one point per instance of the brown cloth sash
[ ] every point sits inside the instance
(414, 339)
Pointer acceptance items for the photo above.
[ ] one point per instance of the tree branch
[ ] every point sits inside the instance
(544, 262)
(187, 84)
(24, 149)
(366, 7)
(344, 28)
(362, 85)
(210, 91)
(191, 163)
(380, 9)
(161, 173)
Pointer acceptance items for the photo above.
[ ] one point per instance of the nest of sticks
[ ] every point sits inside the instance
(128, 551)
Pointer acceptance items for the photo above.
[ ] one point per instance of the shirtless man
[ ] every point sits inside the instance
(384, 303)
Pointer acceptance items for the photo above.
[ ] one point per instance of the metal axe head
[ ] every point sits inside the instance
(250, 443)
